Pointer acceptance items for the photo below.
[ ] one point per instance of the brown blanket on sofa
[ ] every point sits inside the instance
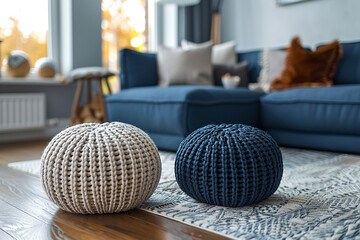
(306, 68)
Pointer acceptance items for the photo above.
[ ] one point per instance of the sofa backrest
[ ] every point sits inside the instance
(137, 69)
(348, 69)
(254, 68)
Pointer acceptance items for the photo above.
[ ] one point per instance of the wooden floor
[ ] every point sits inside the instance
(14, 152)
(27, 213)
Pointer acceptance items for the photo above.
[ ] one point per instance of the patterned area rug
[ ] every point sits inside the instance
(318, 198)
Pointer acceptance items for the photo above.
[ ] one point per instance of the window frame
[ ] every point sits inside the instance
(53, 36)
(53, 41)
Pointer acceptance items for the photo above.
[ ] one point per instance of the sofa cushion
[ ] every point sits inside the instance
(331, 110)
(179, 110)
(137, 69)
(348, 71)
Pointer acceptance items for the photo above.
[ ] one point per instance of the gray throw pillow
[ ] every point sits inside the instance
(240, 69)
(185, 67)
(223, 53)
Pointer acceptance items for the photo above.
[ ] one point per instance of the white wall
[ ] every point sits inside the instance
(262, 23)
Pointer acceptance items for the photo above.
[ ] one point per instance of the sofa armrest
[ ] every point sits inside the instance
(137, 69)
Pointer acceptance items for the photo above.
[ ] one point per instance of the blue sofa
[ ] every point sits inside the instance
(319, 118)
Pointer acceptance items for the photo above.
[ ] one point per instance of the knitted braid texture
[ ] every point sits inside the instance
(100, 168)
(229, 165)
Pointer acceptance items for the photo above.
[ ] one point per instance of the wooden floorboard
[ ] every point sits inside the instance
(21, 151)
(20, 225)
(27, 213)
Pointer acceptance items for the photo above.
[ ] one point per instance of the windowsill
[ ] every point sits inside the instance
(30, 81)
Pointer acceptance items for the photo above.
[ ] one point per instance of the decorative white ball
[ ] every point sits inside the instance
(45, 67)
(100, 168)
(18, 64)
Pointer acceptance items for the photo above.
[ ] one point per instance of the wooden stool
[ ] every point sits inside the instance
(94, 110)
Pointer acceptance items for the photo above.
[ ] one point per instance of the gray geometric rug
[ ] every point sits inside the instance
(318, 198)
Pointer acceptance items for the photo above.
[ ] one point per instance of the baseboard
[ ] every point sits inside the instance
(53, 126)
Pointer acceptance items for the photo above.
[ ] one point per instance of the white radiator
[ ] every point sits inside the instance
(20, 111)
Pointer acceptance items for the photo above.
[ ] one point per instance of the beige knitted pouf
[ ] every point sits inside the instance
(100, 168)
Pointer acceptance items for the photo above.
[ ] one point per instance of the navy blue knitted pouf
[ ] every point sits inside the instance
(229, 165)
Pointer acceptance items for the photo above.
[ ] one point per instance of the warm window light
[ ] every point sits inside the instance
(24, 26)
(123, 26)
(136, 13)
(137, 41)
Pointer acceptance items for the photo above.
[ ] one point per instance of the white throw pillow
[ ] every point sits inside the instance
(177, 66)
(272, 62)
(223, 53)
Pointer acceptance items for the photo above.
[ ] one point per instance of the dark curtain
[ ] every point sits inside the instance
(195, 22)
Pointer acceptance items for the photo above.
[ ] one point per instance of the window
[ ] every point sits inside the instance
(124, 25)
(24, 26)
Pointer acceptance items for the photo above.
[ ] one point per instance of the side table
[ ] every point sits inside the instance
(94, 110)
